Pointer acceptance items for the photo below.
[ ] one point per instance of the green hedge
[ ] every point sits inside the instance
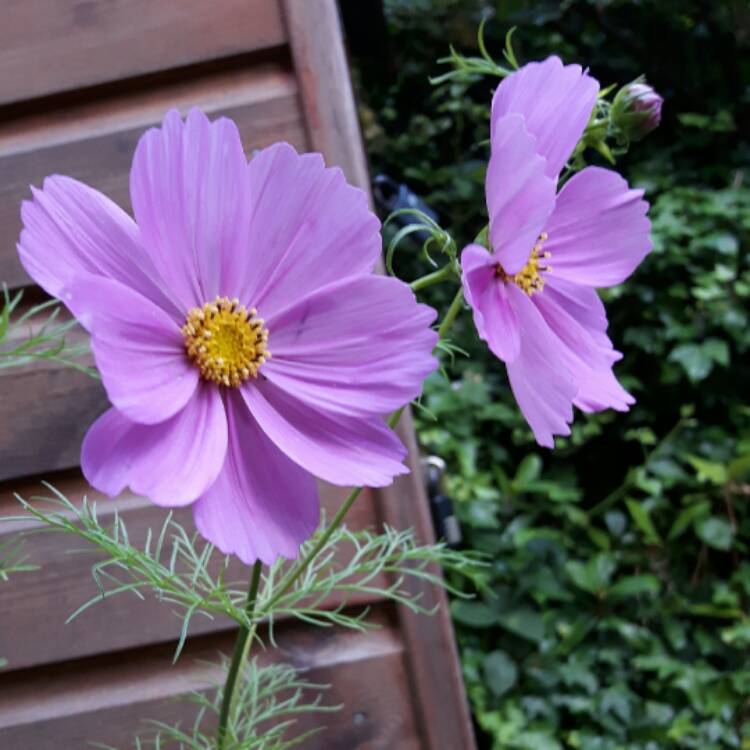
(616, 614)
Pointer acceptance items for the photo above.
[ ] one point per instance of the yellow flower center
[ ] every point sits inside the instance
(225, 341)
(529, 279)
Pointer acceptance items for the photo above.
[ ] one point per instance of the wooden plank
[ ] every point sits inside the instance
(94, 141)
(323, 74)
(434, 671)
(40, 602)
(67, 706)
(47, 46)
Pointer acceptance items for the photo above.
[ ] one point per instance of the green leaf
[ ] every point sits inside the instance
(687, 516)
(643, 521)
(716, 532)
(739, 467)
(709, 471)
(635, 586)
(528, 471)
(474, 614)
(523, 622)
(500, 672)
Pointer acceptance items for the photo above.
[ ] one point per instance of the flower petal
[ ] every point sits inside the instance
(494, 316)
(599, 231)
(138, 349)
(362, 346)
(262, 505)
(520, 197)
(70, 229)
(190, 196)
(340, 449)
(555, 100)
(309, 227)
(588, 354)
(172, 463)
(539, 376)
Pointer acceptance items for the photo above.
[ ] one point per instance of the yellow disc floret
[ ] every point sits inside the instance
(529, 279)
(227, 342)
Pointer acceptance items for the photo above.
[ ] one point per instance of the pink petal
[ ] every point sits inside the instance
(308, 228)
(520, 198)
(340, 449)
(494, 316)
(555, 100)
(172, 463)
(262, 505)
(190, 195)
(588, 354)
(599, 231)
(362, 346)
(70, 228)
(541, 381)
(138, 349)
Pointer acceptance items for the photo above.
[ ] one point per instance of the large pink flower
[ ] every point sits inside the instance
(242, 337)
(534, 294)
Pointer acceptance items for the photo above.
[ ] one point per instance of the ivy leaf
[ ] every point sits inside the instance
(635, 586)
(715, 532)
(500, 672)
(686, 518)
(643, 521)
(475, 614)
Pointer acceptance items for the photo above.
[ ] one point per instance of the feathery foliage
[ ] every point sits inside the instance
(38, 334)
(271, 701)
(183, 570)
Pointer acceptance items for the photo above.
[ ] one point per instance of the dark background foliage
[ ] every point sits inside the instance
(617, 610)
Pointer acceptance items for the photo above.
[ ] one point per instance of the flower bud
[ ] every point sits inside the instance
(636, 110)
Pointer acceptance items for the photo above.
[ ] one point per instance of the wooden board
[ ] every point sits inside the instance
(64, 706)
(48, 46)
(64, 582)
(94, 141)
(79, 82)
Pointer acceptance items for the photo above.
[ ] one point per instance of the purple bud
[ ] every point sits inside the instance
(636, 110)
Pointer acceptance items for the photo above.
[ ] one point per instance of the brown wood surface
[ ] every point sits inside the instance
(79, 82)
(94, 140)
(65, 707)
(334, 130)
(64, 582)
(48, 46)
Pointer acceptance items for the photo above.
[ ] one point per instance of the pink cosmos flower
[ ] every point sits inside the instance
(242, 337)
(533, 295)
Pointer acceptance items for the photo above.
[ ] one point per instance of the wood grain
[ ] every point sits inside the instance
(64, 707)
(47, 46)
(94, 141)
(434, 670)
(64, 581)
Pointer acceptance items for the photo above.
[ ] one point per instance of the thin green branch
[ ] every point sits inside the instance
(239, 657)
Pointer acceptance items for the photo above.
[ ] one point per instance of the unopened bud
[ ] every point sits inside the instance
(636, 110)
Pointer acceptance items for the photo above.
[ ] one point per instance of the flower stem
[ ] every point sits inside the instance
(432, 278)
(452, 313)
(241, 650)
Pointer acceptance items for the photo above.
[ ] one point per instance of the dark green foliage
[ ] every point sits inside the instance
(617, 615)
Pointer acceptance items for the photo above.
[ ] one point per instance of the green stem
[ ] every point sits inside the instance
(432, 278)
(241, 650)
(452, 313)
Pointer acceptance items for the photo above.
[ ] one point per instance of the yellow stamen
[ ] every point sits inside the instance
(225, 341)
(529, 279)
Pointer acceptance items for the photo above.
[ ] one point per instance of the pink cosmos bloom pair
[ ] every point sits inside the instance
(242, 337)
(533, 295)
